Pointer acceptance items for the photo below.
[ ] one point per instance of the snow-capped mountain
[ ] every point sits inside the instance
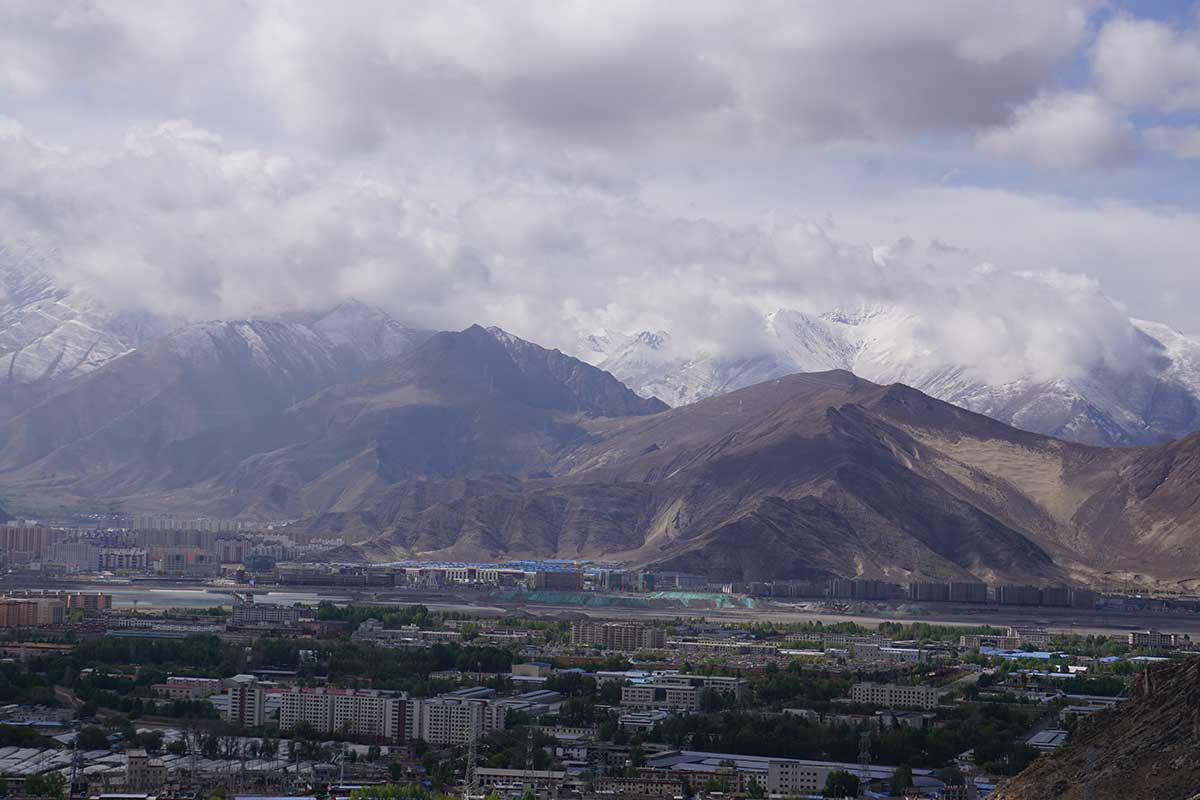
(48, 331)
(883, 345)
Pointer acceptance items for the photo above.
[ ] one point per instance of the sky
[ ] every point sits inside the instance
(1025, 176)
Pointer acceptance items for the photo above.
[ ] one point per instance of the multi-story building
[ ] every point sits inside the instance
(895, 696)
(679, 692)
(27, 543)
(1013, 595)
(143, 772)
(17, 612)
(929, 592)
(247, 701)
(73, 556)
(624, 636)
(366, 714)
(456, 718)
(267, 614)
(116, 559)
(88, 601)
(968, 592)
(1153, 640)
(183, 687)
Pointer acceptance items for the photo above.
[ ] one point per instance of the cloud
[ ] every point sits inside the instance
(1069, 131)
(622, 77)
(1147, 64)
(177, 220)
(1180, 142)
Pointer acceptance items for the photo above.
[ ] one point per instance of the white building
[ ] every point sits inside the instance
(454, 720)
(247, 701)
(894, 695)
(367, 714)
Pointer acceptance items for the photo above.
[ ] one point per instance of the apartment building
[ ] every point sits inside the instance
(1153, 640)
(895, 696)
(678, 692)
(183, 687)
(366, 714)
(455, 718)
(123, 558)
(247, 701)
(623, 636)
(18, 612)
(266, 614)
(143, 772)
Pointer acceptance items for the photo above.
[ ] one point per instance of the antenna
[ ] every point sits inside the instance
(864, 749)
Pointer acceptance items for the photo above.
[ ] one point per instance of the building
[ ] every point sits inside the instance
(365, 714)
(863, 589)
(182, 687)
(455, 718)
(27, 543)
(894, 695)
(778, 776)
(119, 559)
(623, 636)
(929, 592)
(143, 772)
(266, 614)
(646, 783)
(531, 669)
(968, 592)
(73, 556)
(519, 781)
(247, 701)
(565, 580)
(29, 612)
(679, 692)
(1153, 640)
(1013, 595)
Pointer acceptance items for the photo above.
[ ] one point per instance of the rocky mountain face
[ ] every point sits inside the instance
(1158, 402)
(814, 474)
(181, 409)
(1145, 749)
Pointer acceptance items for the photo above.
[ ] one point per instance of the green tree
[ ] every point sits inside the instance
(91, 738)
(51, 784)
(840, 783)
(902, 779)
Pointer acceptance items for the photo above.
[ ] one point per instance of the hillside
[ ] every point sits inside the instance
(1143, 750)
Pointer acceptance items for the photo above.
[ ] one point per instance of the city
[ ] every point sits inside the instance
(531, 679)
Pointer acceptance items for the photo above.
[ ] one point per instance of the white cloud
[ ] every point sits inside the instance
(1181, 142)
(1143, 63)
(622, 76)
(235, 231)
(1066, 131)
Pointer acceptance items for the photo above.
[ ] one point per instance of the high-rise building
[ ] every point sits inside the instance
(18, 612)
(624, 636)
(454, 720)
(365, 714)
(247, 701)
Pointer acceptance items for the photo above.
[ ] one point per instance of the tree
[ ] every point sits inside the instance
(952, 776)
(91, 738)
(50, 784)
(392, 791)
(840, 783)
(902, 779)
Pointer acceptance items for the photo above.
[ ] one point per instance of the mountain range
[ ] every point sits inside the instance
(1158, 401)
(478, 444)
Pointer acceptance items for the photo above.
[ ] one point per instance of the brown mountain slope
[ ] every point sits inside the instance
(805, 475)
(1143, 750)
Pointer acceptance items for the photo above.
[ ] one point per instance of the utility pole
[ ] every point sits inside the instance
(472, 778)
